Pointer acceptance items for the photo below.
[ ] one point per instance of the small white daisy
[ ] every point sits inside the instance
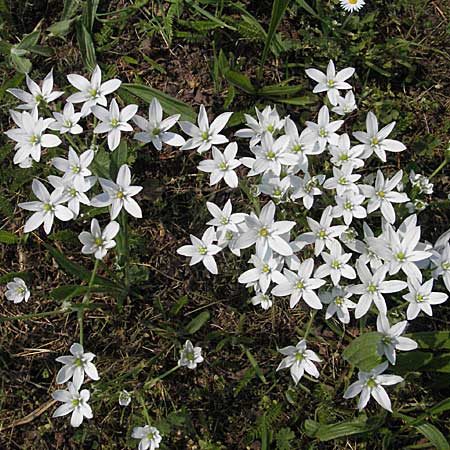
(352, 5)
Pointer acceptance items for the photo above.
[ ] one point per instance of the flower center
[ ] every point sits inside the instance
(76, 169)
(75, 402)
(270, 128)
(400, 256)
(205, 135)
(297, 148)
(93, 92)
(98, 241)
(73, 192)
(67, 123)
(348, 205)
(270, 155)
(150, 436)
(223, 166)
(446, 265)
(78, 362)
(300, 284)
(228, 235)
(371, 383)
(20, 290)
(353, 2)
(386, 340)
(39, 98)
(224, 220)
(375, 141)
(322, 234)
(202, 250)
(114, 122)
(339, 301)
(298, 356)
(381, 194)
(342, 180)
(335, 264)
(277, 193)
(47, 207)
(323, 132)
(156, 131)
(331, 83)
(120, 195)
(190, 356)
(372, 288)
(266, 268)
(263, 232)
(420, 298)
(344, 157)
(34, 140)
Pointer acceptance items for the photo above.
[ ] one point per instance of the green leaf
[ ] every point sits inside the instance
(80, 272)
(239, 80)
(254, 364)
(197, 322)
(60, 28)
(299, 101)
(278, 10)
(169, 104)
(29, 40)
(308, 9)
(279, 90)
(440, 363)
(7, 237)
(86, 45)
(21, 64)
(362, 351)
(436, 438)
(284, 438)
(10, 276)
(101, 163)
(118, 158)
(70, 9)
(329, 432)
(209, 16)
(412, 361)
(89, 14)
(432, 339)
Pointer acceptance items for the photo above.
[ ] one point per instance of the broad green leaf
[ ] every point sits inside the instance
(432, 339)
(412, 361)
(378, 69)
(197, 322)
(9, 276)
(29, 40)
(41, 50)
(7, 237)
(118, 158)
(60, 28)
(239, 80)
(21, 64)
(86, 45)
(435, 437)
(308, 8)
(101, 164)
(362, 351)
(169, 104)
(439, 363)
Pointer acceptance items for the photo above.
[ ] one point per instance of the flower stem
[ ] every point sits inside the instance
(144, 409)
(86, 299)
(153, 381)
(33, 316)
(124, 256)
(439, 168)
(308, 327)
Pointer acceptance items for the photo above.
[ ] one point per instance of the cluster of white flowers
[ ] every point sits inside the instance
(316, 258)
(75, 401)
(326, 263)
